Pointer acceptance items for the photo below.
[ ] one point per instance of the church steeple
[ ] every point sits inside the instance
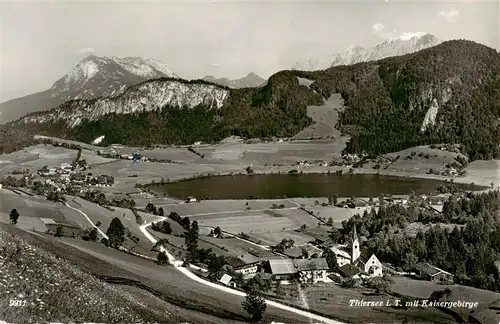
(355, 252)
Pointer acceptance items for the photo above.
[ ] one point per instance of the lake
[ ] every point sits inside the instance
(270, 186)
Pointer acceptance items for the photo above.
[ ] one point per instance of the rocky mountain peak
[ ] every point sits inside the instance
(404, 44)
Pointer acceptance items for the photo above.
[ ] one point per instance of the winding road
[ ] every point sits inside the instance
(185, 271)
(178, 265)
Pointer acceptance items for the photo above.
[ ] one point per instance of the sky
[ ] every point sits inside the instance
(41, 41)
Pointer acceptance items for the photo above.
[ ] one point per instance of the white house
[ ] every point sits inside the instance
(313, 270)
(343, 257)
(247, 269)
(227, 280)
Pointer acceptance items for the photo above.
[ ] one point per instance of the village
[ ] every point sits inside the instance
(290, 249)
(319, 260)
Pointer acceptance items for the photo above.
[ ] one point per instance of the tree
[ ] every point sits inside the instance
(254, 305)
(160, 211)
(333, 200)
(59, 231)
(14, 216)
(93, 234)
(331, 259)
(159, 244)
(191, 241)
(185, 223)
(116, 233)
(380, 284)
(195, 228)
(334, 234)
(150, 208)
(162, 258)
(218, 232)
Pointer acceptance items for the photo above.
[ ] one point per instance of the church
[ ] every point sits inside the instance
(356, 264)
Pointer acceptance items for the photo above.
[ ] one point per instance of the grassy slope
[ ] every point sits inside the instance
(53, 289)
(174, 287)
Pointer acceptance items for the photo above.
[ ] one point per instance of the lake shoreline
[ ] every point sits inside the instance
(274, 185)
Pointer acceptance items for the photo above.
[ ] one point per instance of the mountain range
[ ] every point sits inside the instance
(449, 93)
(405, 44)
(91, 78)
(251, 80)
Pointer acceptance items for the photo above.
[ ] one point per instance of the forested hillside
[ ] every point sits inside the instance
(469, 252)
(387, 102)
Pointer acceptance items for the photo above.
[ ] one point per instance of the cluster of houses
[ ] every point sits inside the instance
(316, 269)
(308, 163)
(113, 154)
(352, 262)
(68, 177)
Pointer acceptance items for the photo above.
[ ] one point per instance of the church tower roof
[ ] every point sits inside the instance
(354, 234)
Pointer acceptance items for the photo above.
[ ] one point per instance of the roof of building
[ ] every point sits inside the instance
(225, 279)
(246, 265)
(340, 252)
(349, 270)
(282, 266)
(310, 265)
(234, 261)
(312, 249)
(294, 252)
(430, 269)
(265, 276)
(47, 221)
(488, 314)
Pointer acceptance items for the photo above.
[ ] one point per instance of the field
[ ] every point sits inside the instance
(274, 237)
(35, 157)
(332, 300)
(338, 214)
(223, 206)
(423, 289)
(238, 248)
(100, 214)
(223, 246)
(174, 287)
(31, 209)
(260, 225)
(325, 118)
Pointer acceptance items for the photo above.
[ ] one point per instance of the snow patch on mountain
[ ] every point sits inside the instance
(408, 36)
(148, 96)
(147, 68)
(251, 80)
(404, 44)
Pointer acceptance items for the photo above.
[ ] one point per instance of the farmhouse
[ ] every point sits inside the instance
(314, 270)
(281, 269)
(368, 265)
(429, 272)
(67, 229)
(311, 251)
(248, 269)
